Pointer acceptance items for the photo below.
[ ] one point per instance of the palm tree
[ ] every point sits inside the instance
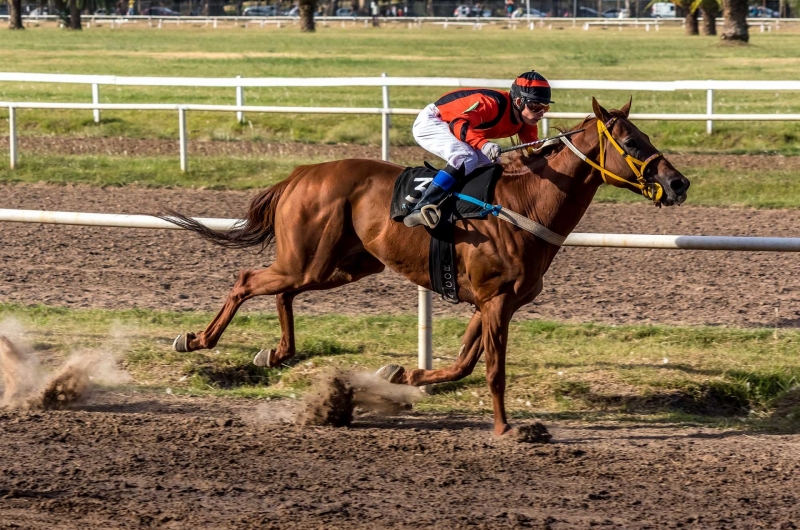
(307, 9)
(15, 15)
(734, 25)
(690, 8)
(710, 12)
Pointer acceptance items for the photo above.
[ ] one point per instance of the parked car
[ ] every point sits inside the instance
(520, 13)
(345, 12)
(616, 13)
(38, 12)
(260, 11)
(3, 9)
(587, 12)
(158, 11)
(762, 12)
(663, 10)
(293, 12)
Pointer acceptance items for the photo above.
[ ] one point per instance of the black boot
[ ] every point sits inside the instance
(426, 212)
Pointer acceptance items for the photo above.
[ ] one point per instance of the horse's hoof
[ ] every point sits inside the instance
(263, 358)
(392, 373)
(181, 343)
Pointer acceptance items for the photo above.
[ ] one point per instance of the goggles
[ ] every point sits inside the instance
(535, 107)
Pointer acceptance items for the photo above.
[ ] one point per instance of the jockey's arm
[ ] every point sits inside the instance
(464, 125)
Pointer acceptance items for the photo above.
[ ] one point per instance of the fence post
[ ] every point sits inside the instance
(239, 101)
(709, 109)
(96, 101)
(545, 127)
(385, 123)
(182, 133)
(425, 332)
(12, 136)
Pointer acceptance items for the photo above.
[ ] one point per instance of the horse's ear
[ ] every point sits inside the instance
(626, 109)
(599, 112)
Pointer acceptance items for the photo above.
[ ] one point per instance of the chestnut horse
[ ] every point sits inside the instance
(330, 225)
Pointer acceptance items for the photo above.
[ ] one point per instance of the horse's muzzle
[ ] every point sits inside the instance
(675, 187)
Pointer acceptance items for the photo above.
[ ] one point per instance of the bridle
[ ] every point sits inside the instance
(650, 190)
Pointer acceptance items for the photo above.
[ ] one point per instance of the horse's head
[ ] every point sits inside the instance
(630, 160)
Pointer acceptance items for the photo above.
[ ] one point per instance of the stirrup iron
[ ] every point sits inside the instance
(431, 215)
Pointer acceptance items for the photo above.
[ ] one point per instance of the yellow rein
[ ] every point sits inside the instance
(650, 190)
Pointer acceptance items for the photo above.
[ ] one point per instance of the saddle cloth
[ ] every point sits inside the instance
(408, 189)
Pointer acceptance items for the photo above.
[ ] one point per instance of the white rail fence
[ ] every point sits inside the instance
(425, 329)
(385, 111)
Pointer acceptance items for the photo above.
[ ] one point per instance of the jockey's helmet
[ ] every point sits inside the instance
(531, 86)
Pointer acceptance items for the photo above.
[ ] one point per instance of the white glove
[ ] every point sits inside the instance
(492, 151)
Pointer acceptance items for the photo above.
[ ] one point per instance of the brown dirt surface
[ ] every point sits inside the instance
(163, 269)
(146, 461)
(121, 146)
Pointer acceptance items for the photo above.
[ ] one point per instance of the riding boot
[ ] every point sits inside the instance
(426, 212)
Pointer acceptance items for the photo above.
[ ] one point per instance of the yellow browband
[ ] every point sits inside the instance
(650, 190)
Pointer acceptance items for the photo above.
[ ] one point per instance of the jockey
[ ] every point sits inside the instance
(458, 126)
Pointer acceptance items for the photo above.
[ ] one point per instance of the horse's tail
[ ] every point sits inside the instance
(257, 228)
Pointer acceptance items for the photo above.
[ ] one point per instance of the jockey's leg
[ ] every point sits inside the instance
(433, 135)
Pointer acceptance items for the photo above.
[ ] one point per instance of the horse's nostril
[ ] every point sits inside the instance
(678, 185)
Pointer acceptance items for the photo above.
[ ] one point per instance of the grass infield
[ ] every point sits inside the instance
(718, 376)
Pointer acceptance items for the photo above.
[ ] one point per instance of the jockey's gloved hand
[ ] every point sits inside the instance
(492, 151)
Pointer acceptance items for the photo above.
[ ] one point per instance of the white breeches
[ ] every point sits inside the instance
(433, 134)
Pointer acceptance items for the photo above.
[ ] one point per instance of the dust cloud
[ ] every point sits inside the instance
(26, 385)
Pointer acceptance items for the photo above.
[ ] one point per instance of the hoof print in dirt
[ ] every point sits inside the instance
(534, 434)
(329, 402)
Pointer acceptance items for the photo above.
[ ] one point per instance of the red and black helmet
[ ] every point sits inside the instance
(531, 86)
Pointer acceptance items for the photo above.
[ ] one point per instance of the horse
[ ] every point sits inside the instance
(330, 226)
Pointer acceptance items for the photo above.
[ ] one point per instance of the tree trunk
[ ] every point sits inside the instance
(15, 15)
(74, 15)
(691, 22)
(734, 26)
(710, 12)
(307, 8)
(429, 8)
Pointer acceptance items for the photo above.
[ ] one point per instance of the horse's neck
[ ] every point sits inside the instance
(556, 194)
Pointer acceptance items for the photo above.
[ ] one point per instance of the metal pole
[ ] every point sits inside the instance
(425, 331)
(709, 109)
(239, 101)
(12, 136)
(96, 100)
(385, 123)
(182, 133)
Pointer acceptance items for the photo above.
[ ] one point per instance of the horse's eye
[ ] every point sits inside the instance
(630, 143)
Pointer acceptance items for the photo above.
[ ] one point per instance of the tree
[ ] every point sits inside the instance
(75, 14)
(734, 24)
(710, 12)
(307, 9)
(689, 7)
(15, 15)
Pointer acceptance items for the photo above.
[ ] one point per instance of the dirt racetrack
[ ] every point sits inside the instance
(137, 460)
(140, 461)
(125, 268)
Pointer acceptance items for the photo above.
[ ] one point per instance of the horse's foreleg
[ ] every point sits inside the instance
(468, 356)
(250, 283)
(496, 317)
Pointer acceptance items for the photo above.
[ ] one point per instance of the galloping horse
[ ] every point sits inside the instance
(330, 225)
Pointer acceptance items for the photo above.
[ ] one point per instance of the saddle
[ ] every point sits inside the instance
(408, 189)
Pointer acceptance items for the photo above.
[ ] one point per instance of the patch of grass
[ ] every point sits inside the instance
(355, 51)
(717, 376)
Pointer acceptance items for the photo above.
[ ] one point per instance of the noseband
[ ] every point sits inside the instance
(650, 190)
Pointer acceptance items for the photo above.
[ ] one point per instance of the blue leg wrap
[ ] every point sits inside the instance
(444, 180)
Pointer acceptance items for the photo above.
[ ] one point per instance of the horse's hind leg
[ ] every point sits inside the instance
(251, 283)
(351, 269)
(471, 350)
